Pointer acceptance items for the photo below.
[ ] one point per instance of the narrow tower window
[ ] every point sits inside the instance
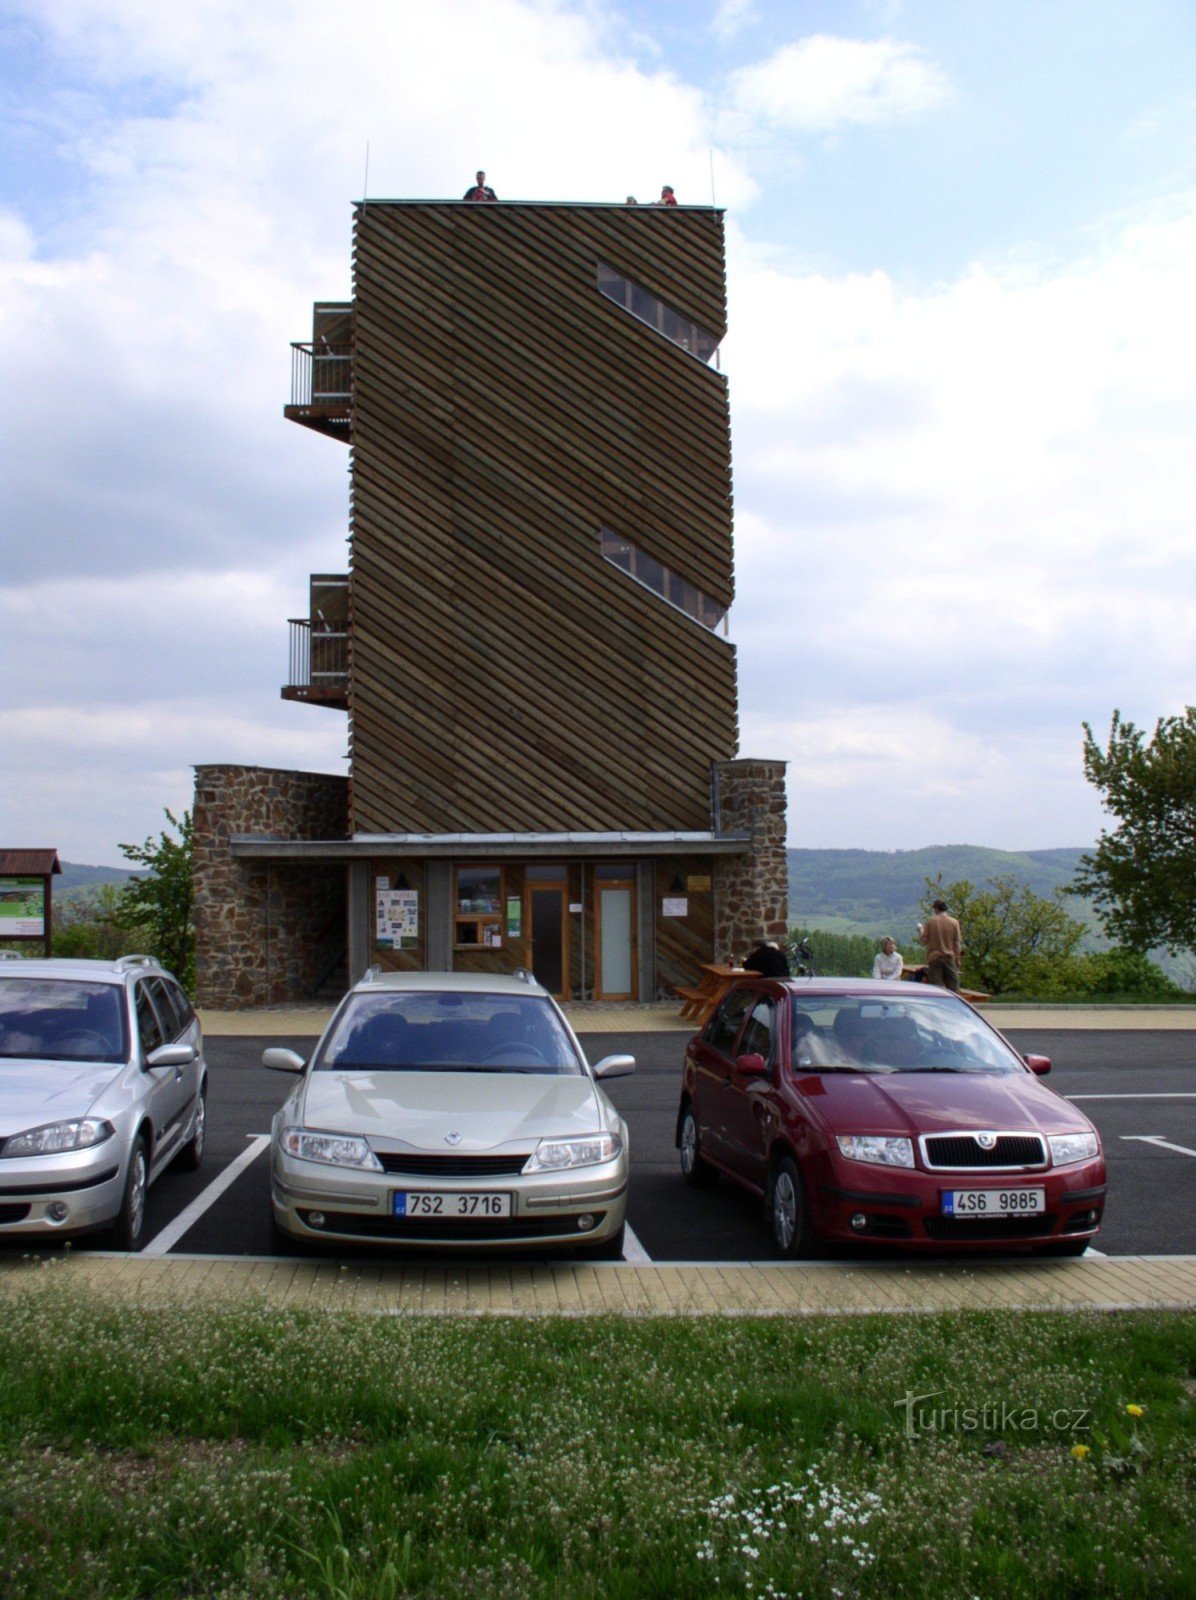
(647, 308)
(669, 585)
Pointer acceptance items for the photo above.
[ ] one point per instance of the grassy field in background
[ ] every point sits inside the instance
(201, 1450)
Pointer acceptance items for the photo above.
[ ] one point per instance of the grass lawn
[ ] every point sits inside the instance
(205, 1449)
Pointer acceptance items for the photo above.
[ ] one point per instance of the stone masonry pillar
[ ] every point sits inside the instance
(751, 891)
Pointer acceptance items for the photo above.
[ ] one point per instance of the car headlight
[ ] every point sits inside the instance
(336, 1149)
(57, 1137)
(1068, 1147)
(554, 1155)
(881, 1149)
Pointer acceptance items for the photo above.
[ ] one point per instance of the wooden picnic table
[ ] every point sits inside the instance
(976, 996)
(700, 999)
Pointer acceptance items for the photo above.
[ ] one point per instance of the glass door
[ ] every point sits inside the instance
(615, 939)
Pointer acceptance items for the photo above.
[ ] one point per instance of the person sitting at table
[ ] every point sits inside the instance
(768, 959)
(889, 961)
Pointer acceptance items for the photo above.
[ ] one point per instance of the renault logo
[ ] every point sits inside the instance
(987, 1141)
(452, 1138)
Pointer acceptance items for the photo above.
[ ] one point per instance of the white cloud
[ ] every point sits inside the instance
(981, 493)
(731, 17)
(822, 84)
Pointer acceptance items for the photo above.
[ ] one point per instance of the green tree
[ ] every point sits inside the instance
(1142, 876)
(1012, 937)
(159, 906)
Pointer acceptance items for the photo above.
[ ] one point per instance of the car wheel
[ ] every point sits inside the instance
(1063, 1247)
(695, 1169)
(130, 1221)
(190, 1156)
(792, 1229)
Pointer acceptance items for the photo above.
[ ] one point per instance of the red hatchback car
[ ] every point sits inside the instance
(886, 1112)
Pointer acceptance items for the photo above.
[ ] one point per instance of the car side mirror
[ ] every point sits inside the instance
(171, 1055)
(1038, 1065)
(615, 1067)
(751, 1066)
(280, 1060)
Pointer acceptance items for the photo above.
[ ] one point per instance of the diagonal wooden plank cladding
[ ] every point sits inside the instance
(504, 675)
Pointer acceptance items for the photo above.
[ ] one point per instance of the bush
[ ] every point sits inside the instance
(1129, 972)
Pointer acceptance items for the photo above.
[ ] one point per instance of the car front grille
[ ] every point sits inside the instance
(960, 1152)
(14, 1213)
(946, 1229)
(451, 1166)
(451, 1230)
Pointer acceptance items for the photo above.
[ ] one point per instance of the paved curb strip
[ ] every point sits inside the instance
(662, 1017)
(1125, 1283)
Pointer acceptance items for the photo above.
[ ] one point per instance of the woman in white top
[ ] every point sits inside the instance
(889, 960)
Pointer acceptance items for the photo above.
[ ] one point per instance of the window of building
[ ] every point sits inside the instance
(478, 903)
(647, 308)
(669, 585)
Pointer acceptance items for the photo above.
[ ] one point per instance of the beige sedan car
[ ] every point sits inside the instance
(450, 1110)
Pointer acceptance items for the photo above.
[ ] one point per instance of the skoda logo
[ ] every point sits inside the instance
(452, 1138)
(987, 1141)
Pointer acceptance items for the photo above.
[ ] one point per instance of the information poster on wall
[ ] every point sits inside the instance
(396, 922)
(22, 908)
(674, 906)
(514, 917)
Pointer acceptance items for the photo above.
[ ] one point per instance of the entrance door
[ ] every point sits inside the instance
(549, 936)
(615, 978)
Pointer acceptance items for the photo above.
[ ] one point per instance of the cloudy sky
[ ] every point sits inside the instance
(962, 251)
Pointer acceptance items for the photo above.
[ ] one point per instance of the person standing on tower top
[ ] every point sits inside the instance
(667, 197)
(480, 191)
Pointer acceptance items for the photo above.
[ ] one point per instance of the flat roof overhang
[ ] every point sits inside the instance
(492, 846)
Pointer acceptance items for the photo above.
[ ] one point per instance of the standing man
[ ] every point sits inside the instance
(941, 935)
(667, 197)
(480, 191)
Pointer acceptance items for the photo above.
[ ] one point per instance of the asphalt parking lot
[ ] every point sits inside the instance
(1138, 1087)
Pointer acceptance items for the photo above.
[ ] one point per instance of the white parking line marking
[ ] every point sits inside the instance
(633, 1250)
(1165, 1095)
(170, 1235)
(1164, 1144)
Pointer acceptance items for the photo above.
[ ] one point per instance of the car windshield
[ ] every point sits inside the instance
(929, 1033)
(59, 1019)
(448, 1032)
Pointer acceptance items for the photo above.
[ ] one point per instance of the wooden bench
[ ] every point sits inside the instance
(694, 1001)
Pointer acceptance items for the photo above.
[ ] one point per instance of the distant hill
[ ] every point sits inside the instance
(880, 891)
(81, 882)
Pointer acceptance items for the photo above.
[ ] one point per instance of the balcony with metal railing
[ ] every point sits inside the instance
(318, 667)
(319, 663)
(322, 372)
(322, 388)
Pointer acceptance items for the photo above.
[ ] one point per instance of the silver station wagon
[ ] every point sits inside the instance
(102, 1086)
(450, 1109)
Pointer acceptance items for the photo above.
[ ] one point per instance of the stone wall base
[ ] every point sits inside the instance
(267, 933)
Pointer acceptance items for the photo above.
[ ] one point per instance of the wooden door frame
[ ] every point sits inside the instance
(632, 886)
(561, 885)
